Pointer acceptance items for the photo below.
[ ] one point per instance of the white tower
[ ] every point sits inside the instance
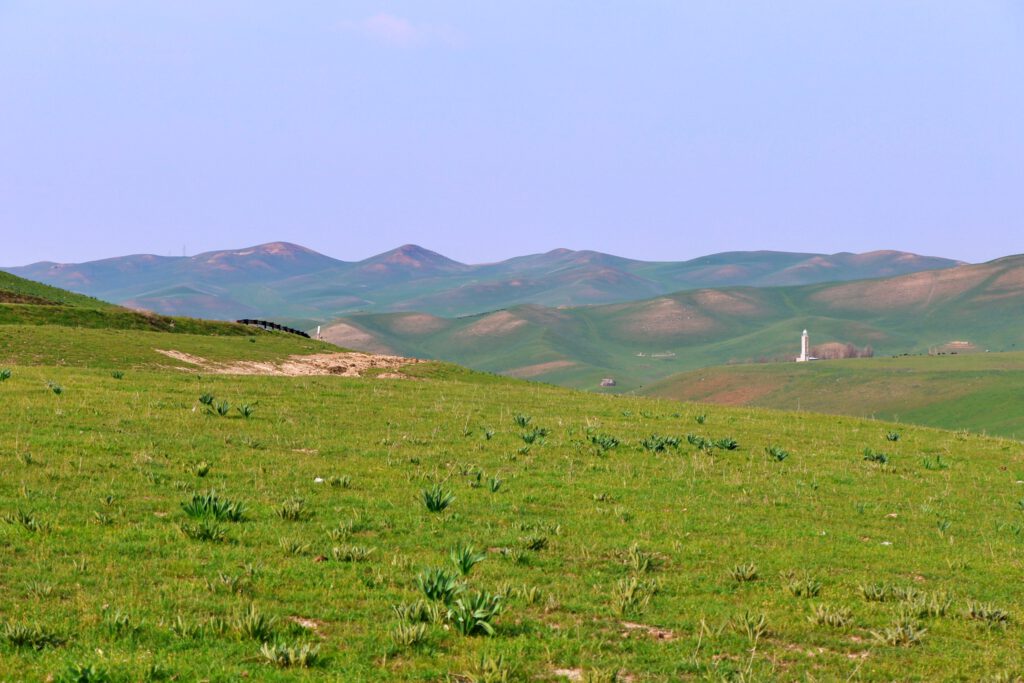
(805, 345)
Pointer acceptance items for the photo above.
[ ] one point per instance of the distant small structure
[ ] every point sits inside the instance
(805, 349)
(608, 382)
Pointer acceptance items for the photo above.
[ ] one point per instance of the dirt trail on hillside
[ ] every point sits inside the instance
(352, 364)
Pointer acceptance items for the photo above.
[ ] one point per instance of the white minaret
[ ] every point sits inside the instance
(805, 345)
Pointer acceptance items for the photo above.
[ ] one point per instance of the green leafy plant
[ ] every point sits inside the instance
(289, 655)
(293, 510)
(834, 617)
(222, 408)
(206, 529)
(742, 573)
(406, 634)
(632, 595)
(475, 614)
(55, 388)
(604, 442)
(534, 434)
(522, 420)
(246, 410)
(206, 399)
(701, 419)
(801, 586)
(892, 436)
(465, 557)
(726, 443)
(436, 498)
(30, 636)
(5, 374)
(117, 374)
(657, 443)
(777, 453)
(200, 469)
(489, 669)
(252, 624)
(209, 504)
(874, 456)
(28, 521)
(352, 553)
(494, 484)
(987, 613)
(438, 584)
(903, 632)
(753, 626)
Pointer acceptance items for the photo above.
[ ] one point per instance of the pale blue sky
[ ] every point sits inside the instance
(651, 129)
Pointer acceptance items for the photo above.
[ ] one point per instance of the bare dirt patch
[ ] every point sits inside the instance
(540, 368)
(352, 337)
(351, 364)
(652, 631)
(495, 324)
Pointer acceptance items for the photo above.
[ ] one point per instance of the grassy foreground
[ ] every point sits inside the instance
(607, 549)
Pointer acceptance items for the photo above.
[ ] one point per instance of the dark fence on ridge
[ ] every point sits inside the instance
(267, 325)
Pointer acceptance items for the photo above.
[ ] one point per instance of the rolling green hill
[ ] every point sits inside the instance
(978, 391)
(303, 288)
(638, 343)
(146, 537)
(44, 324)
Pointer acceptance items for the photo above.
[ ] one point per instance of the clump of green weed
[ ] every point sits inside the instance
(209, 504)
(439, 584)
(436, 498)
(904, 632)
(656, 443)
(293, 546)
(535, 543)
(246, 410)
(640, 561)
(742, 573)
(475, 614)
(801, 586)
(465, 557)
(28, 521)
(875, 456)
(352, 553)
(287, 655)
(522, 420)
(343, 482)
(55, 388)
(835, 617)
(753, 626)
(84, 673)
(928, 605)
(494, 484)
(534, 434)
(701, 419)
(406, 634)
(604, 442)
(117, 374)
(206, 529)
(987, 613)
(777, 453)
(632, 595)
(726, 443)
(5, 374)
(490, 669)
(200, 469)
(293, 510)
(252, 624)
(892, 436)
(420, 611)
(30, 636)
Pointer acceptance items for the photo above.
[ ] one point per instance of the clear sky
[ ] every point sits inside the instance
(655, 129)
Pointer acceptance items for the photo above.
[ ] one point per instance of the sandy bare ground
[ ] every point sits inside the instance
(351, 364)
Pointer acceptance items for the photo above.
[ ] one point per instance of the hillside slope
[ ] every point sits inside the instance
(977, 391)
(641, 342)
(144, 536)
(302, 287)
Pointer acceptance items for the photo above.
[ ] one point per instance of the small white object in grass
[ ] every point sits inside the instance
(886, 542)
(318, 480)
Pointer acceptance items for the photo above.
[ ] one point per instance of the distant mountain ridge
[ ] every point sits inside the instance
(979, 307)
(304, 287)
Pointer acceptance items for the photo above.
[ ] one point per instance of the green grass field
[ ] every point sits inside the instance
(637, 562)
(157, 524)
(979, 391)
